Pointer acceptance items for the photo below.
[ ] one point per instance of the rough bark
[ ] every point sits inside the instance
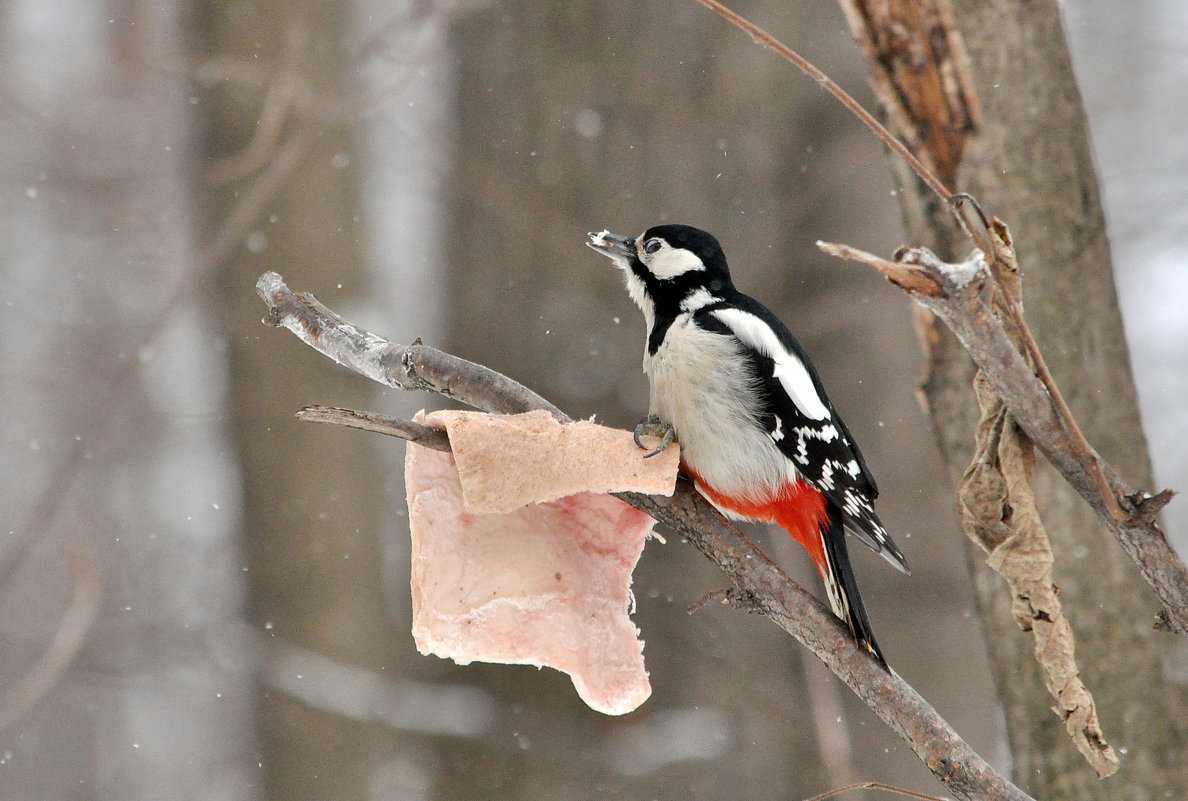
(1030, 164)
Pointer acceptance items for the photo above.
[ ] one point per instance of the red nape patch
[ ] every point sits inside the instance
(798, 508)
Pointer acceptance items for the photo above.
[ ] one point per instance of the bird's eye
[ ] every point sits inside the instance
(652, 245)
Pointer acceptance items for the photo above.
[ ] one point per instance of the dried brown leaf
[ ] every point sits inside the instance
(999, 513)
(982, 493)
(1025, 560)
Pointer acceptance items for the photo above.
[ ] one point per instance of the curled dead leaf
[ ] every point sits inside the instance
(999, 513)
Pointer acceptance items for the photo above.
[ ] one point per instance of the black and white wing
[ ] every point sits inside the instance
(803, 423)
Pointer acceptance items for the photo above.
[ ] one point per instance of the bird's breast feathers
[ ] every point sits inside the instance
(705, 384)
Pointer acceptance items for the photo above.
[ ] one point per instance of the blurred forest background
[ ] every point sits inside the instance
(202, 598)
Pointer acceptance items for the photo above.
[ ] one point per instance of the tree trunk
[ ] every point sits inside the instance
(125, 669)
(1031, 165)
(312, 496)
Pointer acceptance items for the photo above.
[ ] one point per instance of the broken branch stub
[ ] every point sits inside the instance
(997, 500)
(1035, 403)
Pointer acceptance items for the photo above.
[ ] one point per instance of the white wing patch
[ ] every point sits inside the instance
(789, 370)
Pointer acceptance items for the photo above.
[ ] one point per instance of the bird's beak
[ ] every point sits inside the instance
(618, 249)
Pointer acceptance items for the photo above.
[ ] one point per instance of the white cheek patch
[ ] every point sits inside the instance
(789, 370)
(671, 262)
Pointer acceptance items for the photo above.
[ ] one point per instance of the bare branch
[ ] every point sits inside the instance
(408, 367)
(754, 576)
(72, 629)
(1130, 515)
(873, 786)
(408, 430)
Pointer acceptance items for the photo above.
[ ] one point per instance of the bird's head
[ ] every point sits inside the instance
(673, 268)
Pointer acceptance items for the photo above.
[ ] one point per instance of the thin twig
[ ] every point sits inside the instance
(874, 786)
(1002, 259)
(825, 82)
(1085, 453)
(68, 638)
(765, 39)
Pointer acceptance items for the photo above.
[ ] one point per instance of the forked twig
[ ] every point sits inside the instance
(1130, 515)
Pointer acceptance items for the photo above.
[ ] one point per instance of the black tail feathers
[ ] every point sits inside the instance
(842, 586)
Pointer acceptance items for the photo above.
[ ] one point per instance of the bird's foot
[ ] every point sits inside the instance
(652, 426)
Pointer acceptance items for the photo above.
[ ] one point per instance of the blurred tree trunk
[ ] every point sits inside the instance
(125, 668)
(1031, 165)
(312, 495)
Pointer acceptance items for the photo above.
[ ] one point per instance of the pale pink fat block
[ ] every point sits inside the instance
(547, 583)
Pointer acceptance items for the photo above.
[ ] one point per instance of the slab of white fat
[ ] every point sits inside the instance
(509, 461)
(547, 584)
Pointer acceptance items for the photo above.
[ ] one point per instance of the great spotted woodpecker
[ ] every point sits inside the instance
(759, 437)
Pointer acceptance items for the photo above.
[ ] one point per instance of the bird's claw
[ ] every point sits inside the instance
(652, 426)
